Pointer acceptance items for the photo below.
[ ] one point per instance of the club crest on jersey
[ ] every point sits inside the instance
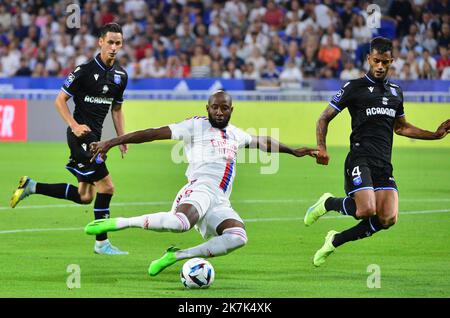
(357, 181)
(393, 91)
(69, 80)
(117, 79)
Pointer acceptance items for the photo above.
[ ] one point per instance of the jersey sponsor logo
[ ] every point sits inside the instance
(96, 76)
(69, 80)
(105, 89)
(372, 111)
(117, 79)
(370, 88)
(98, 100)
(385, 100)
(338, 96)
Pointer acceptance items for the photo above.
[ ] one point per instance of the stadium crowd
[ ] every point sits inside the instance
(270, 41)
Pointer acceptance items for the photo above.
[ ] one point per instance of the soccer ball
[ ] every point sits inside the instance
(197, 273)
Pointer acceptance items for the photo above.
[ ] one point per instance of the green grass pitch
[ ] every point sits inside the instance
(43, 236)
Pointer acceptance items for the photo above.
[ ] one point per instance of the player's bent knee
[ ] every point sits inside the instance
(389, 221)
(86, 199)
(236, 236)
(109, 189)
(176, 222)
(365, 212)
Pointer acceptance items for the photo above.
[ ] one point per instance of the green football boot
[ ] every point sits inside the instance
(166, 260)
(101, 226)
(325, 250)
(316, 210)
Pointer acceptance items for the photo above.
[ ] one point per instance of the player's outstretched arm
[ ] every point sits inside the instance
(135, 137)
(269, 144)
(321, 134)
(403, 128)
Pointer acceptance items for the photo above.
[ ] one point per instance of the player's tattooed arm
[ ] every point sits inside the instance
(269, 144)
(135, 137)
(404, 128)
(321, 134)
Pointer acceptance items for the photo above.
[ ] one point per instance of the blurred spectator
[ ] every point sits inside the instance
(257, 59)
(330, 55)
(402, 12)
(157, 70)
(348, 44)
(310, 65)
(200, 63)
(428, 62)
(250, 72)
(216, 69)
(349, 72)
(5, 17)
(233, 57)
(39, 71)
(293, 54)
(257, 12)
(24, 69)
(291, 76)
(231, 71)
(444, 35)
(444, 59)
(233, 8)
(361, 33)
(274, 16)
(430, 42)
(445, 74)
(270, 75)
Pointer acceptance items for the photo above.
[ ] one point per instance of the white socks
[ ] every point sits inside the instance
(161, 221)
(231, 239)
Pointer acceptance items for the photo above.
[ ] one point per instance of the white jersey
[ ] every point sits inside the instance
(211, 152)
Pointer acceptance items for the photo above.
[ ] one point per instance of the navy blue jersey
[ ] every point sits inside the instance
(94, 88)
(373, 107)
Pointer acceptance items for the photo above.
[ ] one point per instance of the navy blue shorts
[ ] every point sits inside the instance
(363, 173)
(79, 161)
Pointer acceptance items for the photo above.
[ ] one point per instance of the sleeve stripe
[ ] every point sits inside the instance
(334, 106)
(119, 101)
(65, 91)
(401, 115)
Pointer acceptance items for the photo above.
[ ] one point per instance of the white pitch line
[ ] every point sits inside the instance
(245, 220)
(248, 201)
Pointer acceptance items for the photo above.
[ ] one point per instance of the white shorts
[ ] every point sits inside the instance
(212, 205)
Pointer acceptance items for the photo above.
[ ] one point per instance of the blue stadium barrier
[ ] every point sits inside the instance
(199, 89)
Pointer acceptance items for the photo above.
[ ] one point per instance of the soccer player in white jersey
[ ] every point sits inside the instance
(211, 146)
